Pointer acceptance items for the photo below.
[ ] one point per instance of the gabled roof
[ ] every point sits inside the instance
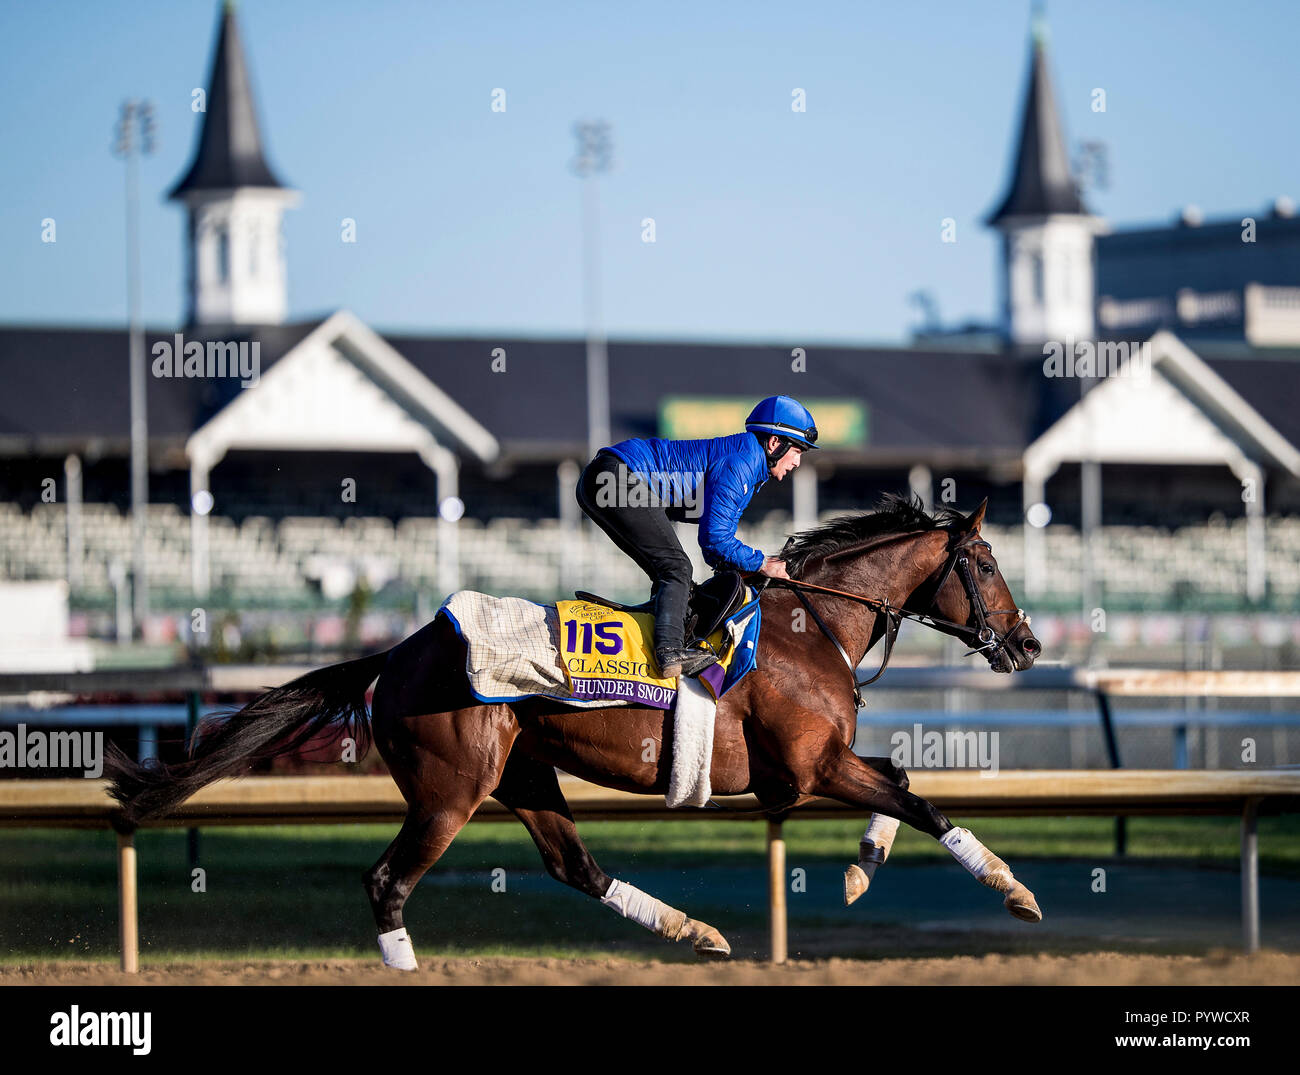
(342, 388)
(1176, 410)
(1041, 182)
(68, 387)
(72, 384)
(229, 151)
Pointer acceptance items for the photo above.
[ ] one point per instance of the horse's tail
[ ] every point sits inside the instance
(277, 722)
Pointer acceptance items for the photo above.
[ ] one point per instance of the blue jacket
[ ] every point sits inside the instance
(730, 469)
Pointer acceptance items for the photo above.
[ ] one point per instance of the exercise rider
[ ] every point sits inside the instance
(636, 489)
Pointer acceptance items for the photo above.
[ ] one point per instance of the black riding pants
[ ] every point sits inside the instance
(645, 532)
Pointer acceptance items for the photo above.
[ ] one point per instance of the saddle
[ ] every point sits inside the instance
(710, 604)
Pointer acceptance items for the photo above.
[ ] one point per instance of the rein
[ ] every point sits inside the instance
(990, 641)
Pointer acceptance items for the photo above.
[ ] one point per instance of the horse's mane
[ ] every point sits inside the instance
(892, 515)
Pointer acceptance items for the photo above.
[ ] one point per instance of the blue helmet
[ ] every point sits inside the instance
(785, 417)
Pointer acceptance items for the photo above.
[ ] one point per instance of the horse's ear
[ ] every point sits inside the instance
(976, 518)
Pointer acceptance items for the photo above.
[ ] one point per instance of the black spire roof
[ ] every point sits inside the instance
(1041, 183)
(230, 149)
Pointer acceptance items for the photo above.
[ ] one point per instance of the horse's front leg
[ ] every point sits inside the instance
(874, 847)
(837, 773)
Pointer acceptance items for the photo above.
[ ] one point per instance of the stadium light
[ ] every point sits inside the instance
(135, 137)
(594, 157)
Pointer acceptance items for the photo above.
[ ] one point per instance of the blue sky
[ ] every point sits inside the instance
(771, 225)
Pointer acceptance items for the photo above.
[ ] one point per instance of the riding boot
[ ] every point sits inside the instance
(672, 655)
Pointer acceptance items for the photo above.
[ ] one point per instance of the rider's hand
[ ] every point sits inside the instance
(774, 568)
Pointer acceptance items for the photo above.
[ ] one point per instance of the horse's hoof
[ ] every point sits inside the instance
(712, 952)
(855, 883)
(708, 942)
(1021, 903)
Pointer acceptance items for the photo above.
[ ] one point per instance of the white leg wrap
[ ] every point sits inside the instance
(984, 866)
(881, 831)
(397, 950)
(644, 909)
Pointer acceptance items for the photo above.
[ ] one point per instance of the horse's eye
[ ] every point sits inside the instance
(986, 568)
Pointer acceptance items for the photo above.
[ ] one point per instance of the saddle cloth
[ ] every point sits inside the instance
(589, 656)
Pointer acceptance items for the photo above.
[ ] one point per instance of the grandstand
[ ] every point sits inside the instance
(299, 561)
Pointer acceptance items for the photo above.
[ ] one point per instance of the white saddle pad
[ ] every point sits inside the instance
(512, 653)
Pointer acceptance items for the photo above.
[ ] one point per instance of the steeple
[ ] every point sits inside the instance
(229, 154)
(1041, 183)
(1047, 231)
(235, 255)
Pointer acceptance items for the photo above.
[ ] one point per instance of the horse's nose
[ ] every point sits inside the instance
(1031, 647)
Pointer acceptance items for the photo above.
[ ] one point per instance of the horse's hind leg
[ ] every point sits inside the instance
(444, 776)
(423, 838)
(876, 842)
(530, 790)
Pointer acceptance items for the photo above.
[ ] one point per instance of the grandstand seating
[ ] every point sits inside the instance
(264, 561)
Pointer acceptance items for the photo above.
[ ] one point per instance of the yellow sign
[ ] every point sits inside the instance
(840, 423)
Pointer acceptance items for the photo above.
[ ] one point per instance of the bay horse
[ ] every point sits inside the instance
(784, 732)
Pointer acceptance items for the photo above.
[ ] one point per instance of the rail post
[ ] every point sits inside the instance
(1250, 876)
(127, 904)
(776, 888)
(1112, 752)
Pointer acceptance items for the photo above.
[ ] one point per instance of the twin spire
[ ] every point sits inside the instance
(235, 267)
(1048, 281)
(229, 153)
(1041, 182)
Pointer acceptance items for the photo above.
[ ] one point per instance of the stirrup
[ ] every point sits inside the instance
(692, 661)
(694, 665)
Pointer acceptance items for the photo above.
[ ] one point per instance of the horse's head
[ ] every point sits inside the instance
(890, 554)
(968, 590)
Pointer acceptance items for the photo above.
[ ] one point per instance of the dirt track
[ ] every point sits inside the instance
(1105, 968)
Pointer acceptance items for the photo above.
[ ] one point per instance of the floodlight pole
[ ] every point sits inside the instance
(135, 131)
(592, 159)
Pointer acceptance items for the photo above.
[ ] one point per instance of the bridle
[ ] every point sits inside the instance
(985, 634)
(983, 637)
